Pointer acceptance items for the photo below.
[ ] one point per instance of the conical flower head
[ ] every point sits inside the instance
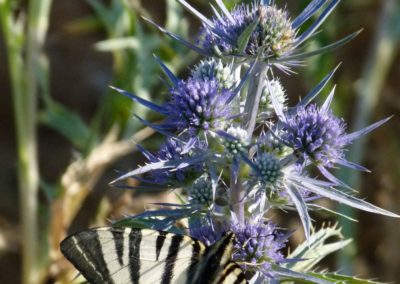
(272, 34)
(268, 171)
(258, 246)
(316, 134)
(214, 68)
(198, 104)
(234, 147)
(272, 88)
(200, 192)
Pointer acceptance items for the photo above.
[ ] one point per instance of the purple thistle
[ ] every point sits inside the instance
(198, 105)
(272, 36)
(316, 134)
(259, 30)
(258, 246)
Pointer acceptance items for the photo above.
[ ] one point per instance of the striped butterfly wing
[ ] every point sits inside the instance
(216, 266)
(124, 255)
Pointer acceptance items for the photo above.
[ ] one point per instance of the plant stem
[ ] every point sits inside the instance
(24, 85)
(379, 61)
(237, 196)
(255, 88)
(37, 26)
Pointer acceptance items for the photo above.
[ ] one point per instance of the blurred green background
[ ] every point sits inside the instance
(65, 134)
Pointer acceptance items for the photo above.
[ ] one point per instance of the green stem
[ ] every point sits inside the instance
(24, 85)
(379, 61)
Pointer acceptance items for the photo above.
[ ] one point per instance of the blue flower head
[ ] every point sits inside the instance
(269, 172)
(272, 36)
(208, 233)
(258, 246)
(201, 192)
(259, 30)
(198, 105)
(316, 134)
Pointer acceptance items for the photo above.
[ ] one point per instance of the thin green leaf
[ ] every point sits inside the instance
(244, 38)
(114, 44)
(67, 123)
(325, 49)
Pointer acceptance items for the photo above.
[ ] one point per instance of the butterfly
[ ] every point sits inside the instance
(126, 255)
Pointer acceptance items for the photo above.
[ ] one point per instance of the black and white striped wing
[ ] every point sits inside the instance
(216, 266)
(124, 255)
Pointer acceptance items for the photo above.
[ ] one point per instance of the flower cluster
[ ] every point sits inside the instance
(201, 192)
(215, 69)
(234, 147)
(316, 134)
(199, 104)
(272, 35)
(258, 246)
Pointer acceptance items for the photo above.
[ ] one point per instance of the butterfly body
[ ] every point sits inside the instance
(125, 255)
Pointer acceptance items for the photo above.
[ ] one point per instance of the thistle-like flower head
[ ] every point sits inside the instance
(268, 171)
(198, 104)
(259, 30)
(266, 108)
(237, 145)
(200, 192)
(270, 143)
(215, 68)
(317, 134)
(271, 37)
(258, 246)
(208, 233)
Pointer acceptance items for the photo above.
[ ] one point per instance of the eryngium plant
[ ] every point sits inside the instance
(236, 150)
